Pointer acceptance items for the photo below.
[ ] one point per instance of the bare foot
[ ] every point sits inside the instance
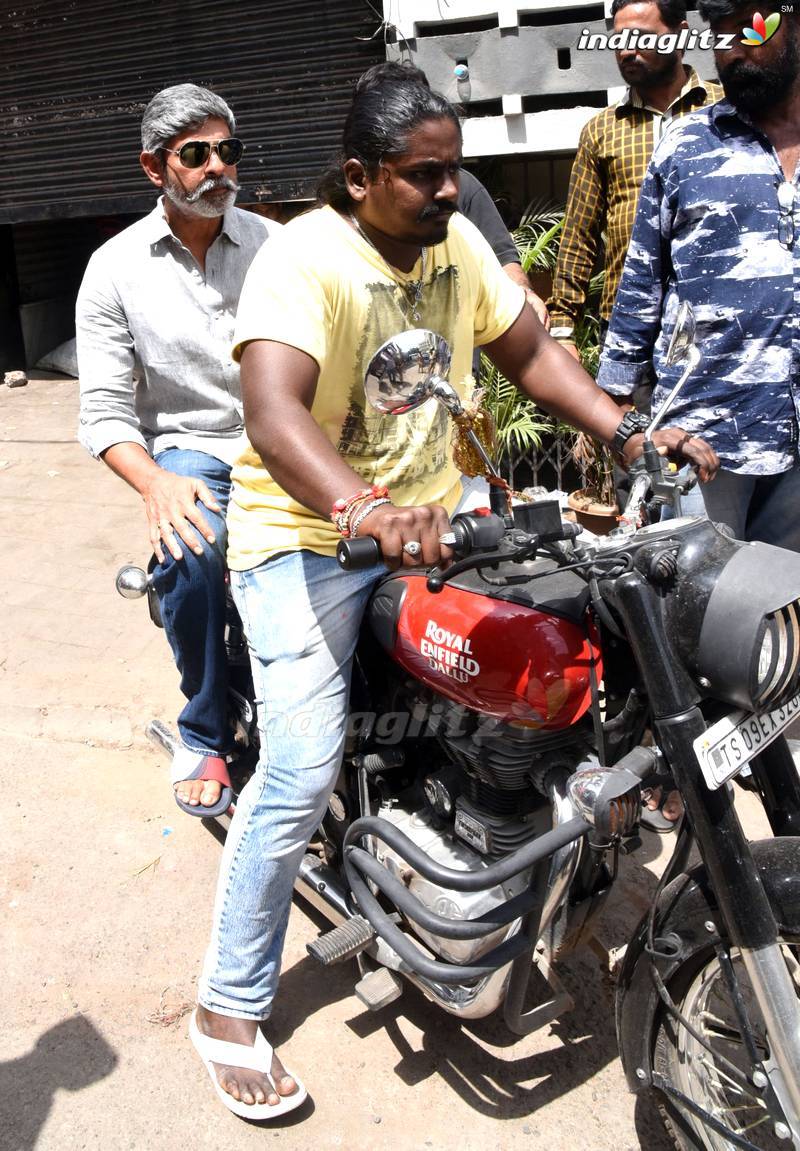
(198, 792)
(195, 792)
(671, 809)
(245, 1085)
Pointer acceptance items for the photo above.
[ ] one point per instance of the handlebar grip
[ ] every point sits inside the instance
(468, 533)
(355, 555)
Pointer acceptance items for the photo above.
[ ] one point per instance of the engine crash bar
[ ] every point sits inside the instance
(359, 863)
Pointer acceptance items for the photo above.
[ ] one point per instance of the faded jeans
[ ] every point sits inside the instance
(301, 614)
(191, 592)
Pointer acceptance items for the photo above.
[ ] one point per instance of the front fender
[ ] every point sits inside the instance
(687, 913)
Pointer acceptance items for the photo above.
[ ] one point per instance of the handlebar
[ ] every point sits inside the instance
(469, 533)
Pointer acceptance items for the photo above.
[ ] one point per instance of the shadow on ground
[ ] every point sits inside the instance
(581, 1042)
(68, 1057)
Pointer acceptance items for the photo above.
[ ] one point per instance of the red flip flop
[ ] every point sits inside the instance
(211, 767)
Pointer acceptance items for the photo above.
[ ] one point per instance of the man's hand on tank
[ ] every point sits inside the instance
(171, 503)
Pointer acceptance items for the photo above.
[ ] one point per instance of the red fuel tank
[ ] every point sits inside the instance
(494, 654)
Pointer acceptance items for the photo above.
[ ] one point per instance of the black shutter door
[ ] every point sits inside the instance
(75, 76)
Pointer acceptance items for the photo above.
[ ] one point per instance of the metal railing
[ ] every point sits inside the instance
(550, 466)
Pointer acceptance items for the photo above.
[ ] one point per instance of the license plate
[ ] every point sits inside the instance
(725, 747)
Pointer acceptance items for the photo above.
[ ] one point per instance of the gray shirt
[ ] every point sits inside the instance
(146, 310)
(480, 209)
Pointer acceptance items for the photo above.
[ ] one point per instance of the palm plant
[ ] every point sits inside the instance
(520, 424)
(594, 460)
(537, 238)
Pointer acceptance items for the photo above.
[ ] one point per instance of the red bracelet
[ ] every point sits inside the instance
(343, 508)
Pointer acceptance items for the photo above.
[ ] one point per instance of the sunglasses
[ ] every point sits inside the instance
(786, 203)
(195, 153)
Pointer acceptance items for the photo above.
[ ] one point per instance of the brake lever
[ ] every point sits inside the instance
(438, 578)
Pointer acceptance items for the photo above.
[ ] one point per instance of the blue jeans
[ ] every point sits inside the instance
(765, 508)
(191, 592)
(301, 614)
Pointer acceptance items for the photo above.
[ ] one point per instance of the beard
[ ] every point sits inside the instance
(198, 202)
(754, 88)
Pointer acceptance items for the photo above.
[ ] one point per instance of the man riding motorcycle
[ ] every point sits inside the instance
(387, 256)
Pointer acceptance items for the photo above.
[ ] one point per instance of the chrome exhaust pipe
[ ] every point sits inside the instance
(564, 862)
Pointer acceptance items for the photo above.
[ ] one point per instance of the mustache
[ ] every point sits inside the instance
(443, 208)
(212, 184)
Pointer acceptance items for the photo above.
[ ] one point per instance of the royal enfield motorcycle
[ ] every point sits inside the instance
(505, 714)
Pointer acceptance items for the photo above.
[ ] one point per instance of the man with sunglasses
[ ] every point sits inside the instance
(718, 225)
(158, 302)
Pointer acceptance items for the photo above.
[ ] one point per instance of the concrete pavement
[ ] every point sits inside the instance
(106, 889)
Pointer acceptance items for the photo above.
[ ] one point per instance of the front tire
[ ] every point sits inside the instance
(701, 994)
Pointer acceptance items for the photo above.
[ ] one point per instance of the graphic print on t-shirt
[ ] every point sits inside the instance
(415, 445)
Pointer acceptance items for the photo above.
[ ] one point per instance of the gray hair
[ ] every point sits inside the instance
(176, 109)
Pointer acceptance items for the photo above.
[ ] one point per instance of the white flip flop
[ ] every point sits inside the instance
(255, 1058)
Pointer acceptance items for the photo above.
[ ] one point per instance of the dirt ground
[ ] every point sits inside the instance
(106, 893)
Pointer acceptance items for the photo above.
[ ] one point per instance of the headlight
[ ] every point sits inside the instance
(749, 646)
(776, 670)
(765, 655)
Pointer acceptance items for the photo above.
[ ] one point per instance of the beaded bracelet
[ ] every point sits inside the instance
(343, 508)
(364, 511)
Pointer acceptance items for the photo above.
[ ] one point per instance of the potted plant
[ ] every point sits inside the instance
(520, 425)
(595, 504)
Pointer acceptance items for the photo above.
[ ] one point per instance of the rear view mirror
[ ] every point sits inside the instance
(405, 371)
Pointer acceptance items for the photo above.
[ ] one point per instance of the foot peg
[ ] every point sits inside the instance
(379, 988)
(343, 942)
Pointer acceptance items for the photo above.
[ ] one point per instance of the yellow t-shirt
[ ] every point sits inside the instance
(320, 287)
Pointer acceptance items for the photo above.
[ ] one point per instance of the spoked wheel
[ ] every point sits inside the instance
(707, 1074)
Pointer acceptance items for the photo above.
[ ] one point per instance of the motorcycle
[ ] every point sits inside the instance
(505, 712)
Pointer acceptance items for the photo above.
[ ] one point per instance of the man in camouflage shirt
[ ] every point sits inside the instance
(718, 224)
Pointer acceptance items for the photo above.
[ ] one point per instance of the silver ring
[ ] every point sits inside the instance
(448, 540)
(412, 548)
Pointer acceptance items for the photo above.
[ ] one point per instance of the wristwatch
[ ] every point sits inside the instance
(631, 424)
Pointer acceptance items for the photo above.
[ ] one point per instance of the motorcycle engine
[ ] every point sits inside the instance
(495, 786)
(487, 792)
(421, 829)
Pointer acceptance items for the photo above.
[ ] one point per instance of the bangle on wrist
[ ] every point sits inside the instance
(364, 511)
(343, 508)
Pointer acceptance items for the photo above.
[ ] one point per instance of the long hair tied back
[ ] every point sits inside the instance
(389, 102)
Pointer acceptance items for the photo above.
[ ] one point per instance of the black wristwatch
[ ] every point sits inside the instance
(631, 424)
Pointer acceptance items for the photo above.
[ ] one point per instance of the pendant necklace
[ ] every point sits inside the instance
(411, 290)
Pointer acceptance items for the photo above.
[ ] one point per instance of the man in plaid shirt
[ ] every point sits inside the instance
(613, 152)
